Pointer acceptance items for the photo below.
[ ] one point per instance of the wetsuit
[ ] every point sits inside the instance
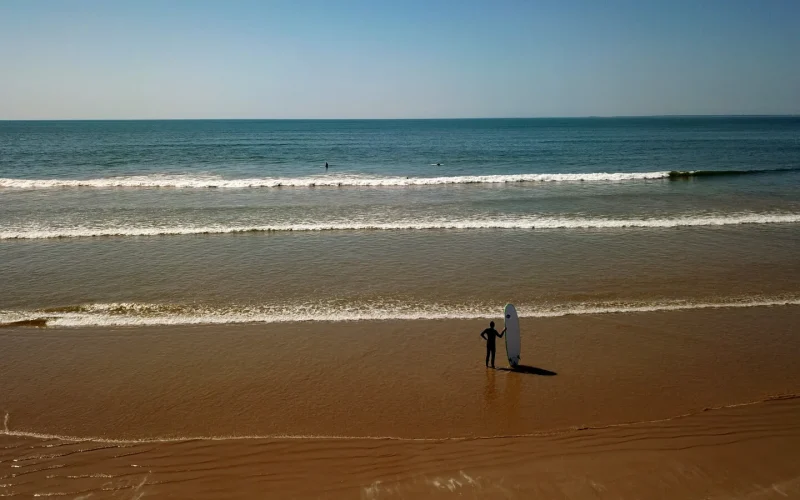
(489, 334)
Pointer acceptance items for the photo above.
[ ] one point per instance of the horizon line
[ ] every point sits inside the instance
(787, 115)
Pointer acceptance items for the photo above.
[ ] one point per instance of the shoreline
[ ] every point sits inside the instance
(8, 431)
(142, 315)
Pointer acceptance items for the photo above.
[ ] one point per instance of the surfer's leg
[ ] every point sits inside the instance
(487, 356)
(493, 351)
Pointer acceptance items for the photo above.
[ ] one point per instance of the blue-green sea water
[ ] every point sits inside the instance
(154, 222)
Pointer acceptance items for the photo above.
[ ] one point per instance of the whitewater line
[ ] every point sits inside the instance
(201, 181)
(137, 315)
(212, 181)
(464, 224)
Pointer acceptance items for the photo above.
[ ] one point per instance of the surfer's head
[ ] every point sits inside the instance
(491, 323)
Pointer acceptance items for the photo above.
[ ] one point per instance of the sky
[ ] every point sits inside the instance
(82, 59)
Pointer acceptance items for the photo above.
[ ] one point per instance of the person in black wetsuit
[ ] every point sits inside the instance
(489, 334)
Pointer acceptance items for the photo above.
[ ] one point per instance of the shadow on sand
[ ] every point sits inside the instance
(532, 370)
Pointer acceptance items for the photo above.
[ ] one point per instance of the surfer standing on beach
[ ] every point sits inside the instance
(489, 335)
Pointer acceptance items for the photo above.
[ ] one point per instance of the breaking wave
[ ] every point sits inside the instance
(191, 181)
(683, 174)
(212, 181)
(138, 314)
(523, 223)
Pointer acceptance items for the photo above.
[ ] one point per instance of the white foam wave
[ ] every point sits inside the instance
(212, 181)
(408, 225)
(137, 314)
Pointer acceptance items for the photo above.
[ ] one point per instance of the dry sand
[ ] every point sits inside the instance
(696, 404)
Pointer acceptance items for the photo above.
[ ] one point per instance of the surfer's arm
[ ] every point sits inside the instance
(502, 333)
(483, 335)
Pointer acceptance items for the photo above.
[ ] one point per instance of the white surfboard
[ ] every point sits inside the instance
(513, 341)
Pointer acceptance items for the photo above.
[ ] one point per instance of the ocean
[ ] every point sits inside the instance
(129, 223)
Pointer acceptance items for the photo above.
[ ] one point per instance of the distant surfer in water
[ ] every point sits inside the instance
(326, 166)
(489, 335)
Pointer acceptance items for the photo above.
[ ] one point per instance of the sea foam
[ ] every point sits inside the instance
(141, 314)
(197, 181)
(519, 223)
(211, 181)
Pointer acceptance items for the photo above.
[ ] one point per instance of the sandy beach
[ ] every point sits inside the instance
(697, 404)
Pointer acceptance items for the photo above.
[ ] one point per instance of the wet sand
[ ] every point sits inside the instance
(683, 404)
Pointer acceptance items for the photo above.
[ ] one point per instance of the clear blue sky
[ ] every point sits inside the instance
(397, 59)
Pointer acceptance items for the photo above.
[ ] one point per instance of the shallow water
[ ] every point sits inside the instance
(238, 221)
